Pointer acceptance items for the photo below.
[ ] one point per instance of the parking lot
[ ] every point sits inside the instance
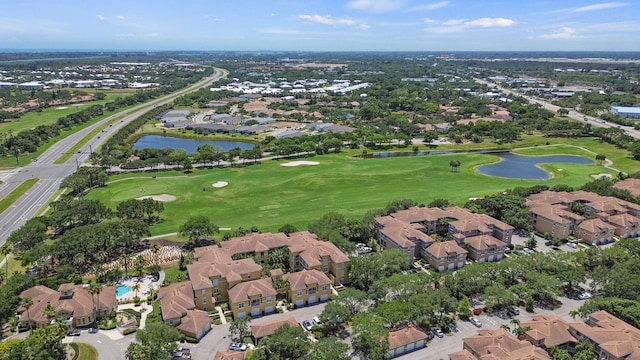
(440, 348)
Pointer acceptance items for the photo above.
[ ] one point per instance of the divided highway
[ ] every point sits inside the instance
(50, 175)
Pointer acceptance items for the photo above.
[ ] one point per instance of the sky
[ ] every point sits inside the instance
(322, 25)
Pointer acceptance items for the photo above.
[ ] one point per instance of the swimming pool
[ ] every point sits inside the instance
(122, 290)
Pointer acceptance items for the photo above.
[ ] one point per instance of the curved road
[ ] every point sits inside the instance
(594, 121)
(50, 175)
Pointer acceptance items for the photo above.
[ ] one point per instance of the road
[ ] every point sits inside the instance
(572, 113)
(50, 175)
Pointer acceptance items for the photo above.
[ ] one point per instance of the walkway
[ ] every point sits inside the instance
(223, 320)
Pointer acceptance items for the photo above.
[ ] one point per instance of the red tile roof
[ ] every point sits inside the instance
(245, 290)
(405, 336)
(301, 279)
(266, 329)
(176, 299)
(194, 321)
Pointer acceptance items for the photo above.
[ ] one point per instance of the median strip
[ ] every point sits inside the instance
(8, 200)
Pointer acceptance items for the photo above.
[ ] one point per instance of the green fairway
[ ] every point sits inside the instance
(270, 195)
(50, 115)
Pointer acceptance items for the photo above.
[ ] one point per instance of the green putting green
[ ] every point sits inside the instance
(269, 195)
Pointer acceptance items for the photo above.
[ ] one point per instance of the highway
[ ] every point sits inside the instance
(50, 175)
(572, 113)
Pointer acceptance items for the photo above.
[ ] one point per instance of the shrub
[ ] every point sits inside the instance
(191, 340)
(129, 331)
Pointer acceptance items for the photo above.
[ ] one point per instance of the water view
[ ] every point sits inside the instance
(190, 145)
(514, 166)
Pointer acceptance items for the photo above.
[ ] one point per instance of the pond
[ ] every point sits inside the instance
(190, 145)
(514, 166)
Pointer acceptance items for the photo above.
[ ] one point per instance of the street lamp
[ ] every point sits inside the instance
(17, 152)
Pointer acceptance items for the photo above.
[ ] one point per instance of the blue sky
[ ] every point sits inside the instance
(317, 25)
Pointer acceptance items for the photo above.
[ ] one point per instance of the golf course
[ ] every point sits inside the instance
(269, 195)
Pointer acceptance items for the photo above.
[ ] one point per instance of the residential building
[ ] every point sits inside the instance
(595, 232)
(307, 252)
(548, 331)
(71, 302)
(405, 340)
(265, 329)
(253, 298)
(175, 301)
(393, 233)
(447, 255)
(632, 185)
(499, 344)
(229, 355)
(554, 220)
(485, 248)
(195, 324)
(307, 287)
(211, 281)
(625, 225)
(256, 245)
(614, 339)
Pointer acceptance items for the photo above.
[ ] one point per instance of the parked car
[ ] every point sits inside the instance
(307, 325)
(437, 332)
(585, 295)
(572, 245)
(528, 251)
(73, 332)
(476, 322)
(317, 321)
(238, 346)
(513, 311)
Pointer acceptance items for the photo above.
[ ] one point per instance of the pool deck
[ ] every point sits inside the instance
(146, 283)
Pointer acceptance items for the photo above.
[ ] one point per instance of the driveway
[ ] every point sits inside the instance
(108, 348)
(218, 338)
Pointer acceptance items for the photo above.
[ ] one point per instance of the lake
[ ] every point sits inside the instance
(514, 166)
(190, 145)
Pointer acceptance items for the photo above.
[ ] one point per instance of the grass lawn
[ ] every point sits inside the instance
(16, 194)
(85, 351)
(270, 195)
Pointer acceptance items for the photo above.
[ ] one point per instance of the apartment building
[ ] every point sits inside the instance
(485, 248)
(307, 287)
(396, 234)
(548, 331)
(498, 344)
(253, 298)
(447, 255)
(70, 302)
(614, 339)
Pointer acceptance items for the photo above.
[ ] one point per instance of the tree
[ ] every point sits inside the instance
(329, 348)
(288, 342)
(95, 288)
(49, 311)
(42, 344)
(600, 158)
(464, 308)
(532, 242)
(239, 329)
(455, 165)
(6, 250)
(26, 303)
(563, 112)
(370, 338)
(155, 342)
(333, 316)
(136, 288)
(198, 227)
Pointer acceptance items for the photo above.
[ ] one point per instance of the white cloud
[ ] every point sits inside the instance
(430, 21)
(100, 17)
(364, 27)
(276, 31)
(377, 6)
(327, 20)
(491, 22)
(453, 22)
(432, 6)
(601, 6)
(457, 25)
(120, 17)
(272, 14)
(562, 33)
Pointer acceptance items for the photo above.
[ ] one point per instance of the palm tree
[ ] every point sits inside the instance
(6, 250)
(49, 311)
(26, 304)
(94, 289)
(155, 248)
(136, 288)
(124, 259)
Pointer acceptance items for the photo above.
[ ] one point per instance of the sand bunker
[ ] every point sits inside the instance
(61, 108)
(602, 176)
(220, 184)
(299, 163)
(161, 197)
